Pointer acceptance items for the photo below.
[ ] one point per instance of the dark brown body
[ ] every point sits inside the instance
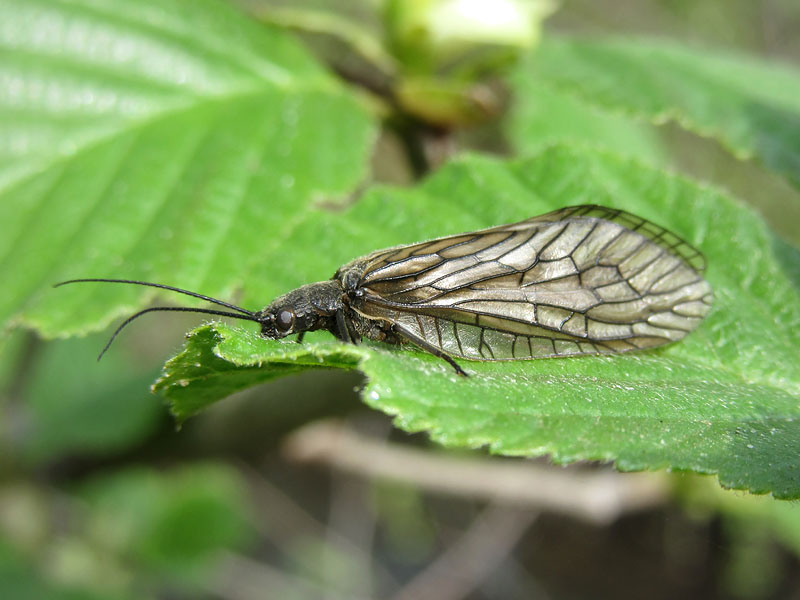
(333, 305)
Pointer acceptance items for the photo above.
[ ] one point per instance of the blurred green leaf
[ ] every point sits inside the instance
(176, 522)
(67, 416)
(780, 519)
(12, 348)
(160, 140)
(542, 115)
(20, 580)
(725, 400)
(752, 107)
(752, 568)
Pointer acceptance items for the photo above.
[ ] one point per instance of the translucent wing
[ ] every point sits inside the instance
(581, 280)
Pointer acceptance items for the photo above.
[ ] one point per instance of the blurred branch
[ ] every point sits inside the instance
(242, 578)
(597, 496)
(307, 20)
(351, 515)
(474, 556)
(14, 424)
(283, 520)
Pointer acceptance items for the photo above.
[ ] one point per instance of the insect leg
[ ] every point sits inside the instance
(351, 328)
(344, 329)
(341, 328)
(300, 337)
(401, 331)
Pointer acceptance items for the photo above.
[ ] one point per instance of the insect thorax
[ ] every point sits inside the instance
(351, 274)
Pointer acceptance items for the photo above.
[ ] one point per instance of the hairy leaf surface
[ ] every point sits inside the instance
(724, 400)
(159, 139)
(752, 107)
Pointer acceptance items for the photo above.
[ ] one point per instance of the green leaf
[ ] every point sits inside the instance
(750, 106)
(199, 375)
(542, 114)
(725, 400)
(161, 140)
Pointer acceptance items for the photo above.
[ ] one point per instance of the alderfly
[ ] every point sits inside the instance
(580, 280)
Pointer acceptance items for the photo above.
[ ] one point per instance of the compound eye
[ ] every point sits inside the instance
(285, 320)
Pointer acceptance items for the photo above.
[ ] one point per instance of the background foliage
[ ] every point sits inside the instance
(235, 151)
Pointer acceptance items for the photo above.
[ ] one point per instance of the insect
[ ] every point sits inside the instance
(580, 280)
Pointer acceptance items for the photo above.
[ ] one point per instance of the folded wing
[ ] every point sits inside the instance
(580, 280)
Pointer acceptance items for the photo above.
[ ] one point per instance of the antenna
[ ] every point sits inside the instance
(242, 313)
(163, 287)
(206, 311)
